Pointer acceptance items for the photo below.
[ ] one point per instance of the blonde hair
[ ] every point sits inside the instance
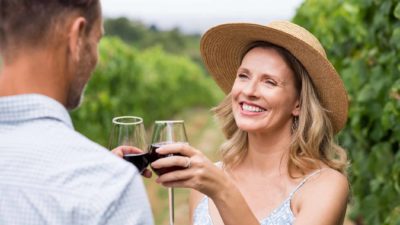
(312, 136)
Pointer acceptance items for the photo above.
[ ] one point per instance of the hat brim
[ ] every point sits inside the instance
(222, 48)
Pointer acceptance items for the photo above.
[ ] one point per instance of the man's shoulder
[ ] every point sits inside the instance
(59, 151)
(55, 134)
(70, 173)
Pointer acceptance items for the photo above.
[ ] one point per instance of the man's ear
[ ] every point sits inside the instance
(76, 34)
(296, 110)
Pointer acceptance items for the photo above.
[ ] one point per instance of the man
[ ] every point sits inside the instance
(50, 174)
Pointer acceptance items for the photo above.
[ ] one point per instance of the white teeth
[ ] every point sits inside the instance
(252, 108)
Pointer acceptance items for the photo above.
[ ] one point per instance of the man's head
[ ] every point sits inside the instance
(68, 30)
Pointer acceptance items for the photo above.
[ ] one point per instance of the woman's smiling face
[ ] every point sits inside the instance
(264, 95)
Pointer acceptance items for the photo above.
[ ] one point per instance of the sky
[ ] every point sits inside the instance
(196, 16)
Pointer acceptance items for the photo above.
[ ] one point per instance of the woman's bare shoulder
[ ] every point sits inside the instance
(327, 181)
(326, 193)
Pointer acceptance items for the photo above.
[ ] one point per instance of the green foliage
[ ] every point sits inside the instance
(362, 39)
(142, 37)
(151, 84)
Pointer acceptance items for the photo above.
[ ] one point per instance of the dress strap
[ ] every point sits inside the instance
(303, 182)
(219, 164)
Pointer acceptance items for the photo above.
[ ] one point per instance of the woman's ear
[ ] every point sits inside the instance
(76, 35)
(296, 110)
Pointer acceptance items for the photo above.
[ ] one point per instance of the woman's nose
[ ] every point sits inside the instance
(251, 89)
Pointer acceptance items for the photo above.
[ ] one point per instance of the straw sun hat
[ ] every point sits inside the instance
(222, 48)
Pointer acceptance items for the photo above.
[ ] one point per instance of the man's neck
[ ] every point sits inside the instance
(34, 72)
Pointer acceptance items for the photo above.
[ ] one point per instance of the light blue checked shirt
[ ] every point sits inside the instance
(50, 174)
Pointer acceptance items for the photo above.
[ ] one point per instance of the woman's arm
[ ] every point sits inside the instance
(206, 178)
(194, 199)
(233, 208)
(322, 200)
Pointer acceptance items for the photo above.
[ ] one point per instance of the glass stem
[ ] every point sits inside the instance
(171, 205)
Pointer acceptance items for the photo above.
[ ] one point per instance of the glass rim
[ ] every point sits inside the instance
(168, 121)
(137, 120)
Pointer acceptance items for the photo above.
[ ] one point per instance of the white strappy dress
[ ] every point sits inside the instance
(282, 215)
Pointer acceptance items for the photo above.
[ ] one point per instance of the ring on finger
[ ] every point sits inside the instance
(188, 163)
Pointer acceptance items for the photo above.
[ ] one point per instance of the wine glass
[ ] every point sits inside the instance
(166, 132)
(129, 131)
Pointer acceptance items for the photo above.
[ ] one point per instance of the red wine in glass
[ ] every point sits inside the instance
(153, 156)
(141, 161)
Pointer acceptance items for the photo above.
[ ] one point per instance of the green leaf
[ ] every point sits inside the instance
(396, 11)
(395, 38)
(366, 93)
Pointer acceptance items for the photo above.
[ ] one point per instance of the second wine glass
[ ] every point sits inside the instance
(167, 132)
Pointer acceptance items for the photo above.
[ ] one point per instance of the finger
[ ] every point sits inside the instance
(177, 175)
(178, 184)
(181, 148)
(170, 161)
(131, 150)
(118, 152)
(124, 149)
(147, 173)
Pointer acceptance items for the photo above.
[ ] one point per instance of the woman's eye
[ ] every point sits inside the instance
(242, 76)
(271, 82)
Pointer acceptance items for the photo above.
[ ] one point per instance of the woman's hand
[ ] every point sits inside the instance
(202, 175)
(199, 172)
(124, 150)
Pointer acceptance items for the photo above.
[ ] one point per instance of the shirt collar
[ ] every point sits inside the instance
(24, 107)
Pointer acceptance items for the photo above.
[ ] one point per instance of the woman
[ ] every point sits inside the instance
(284, 103)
